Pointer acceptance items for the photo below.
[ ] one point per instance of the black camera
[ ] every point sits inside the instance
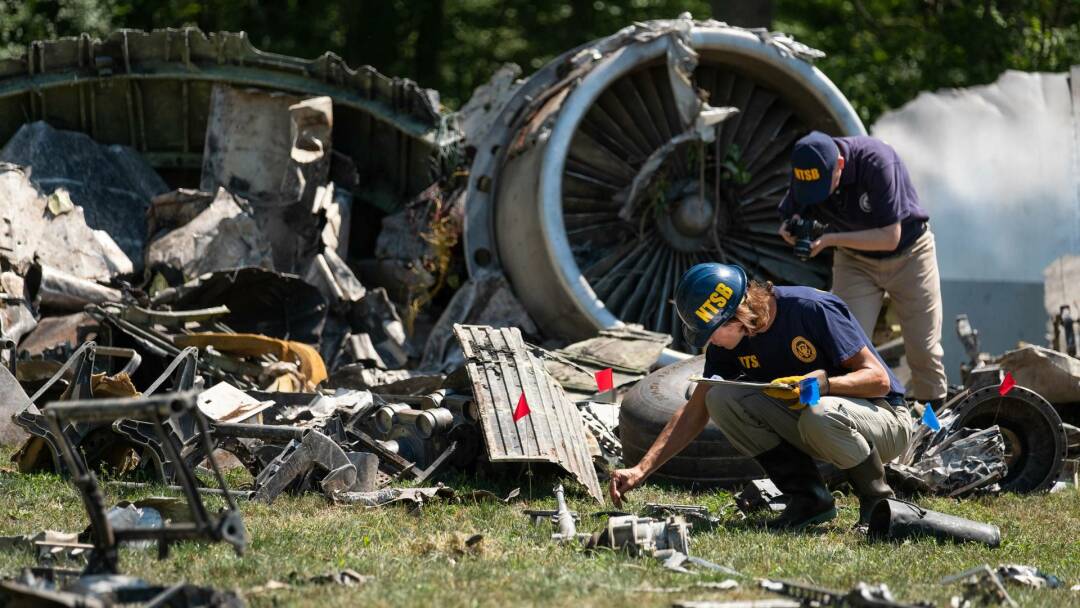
(805, 231)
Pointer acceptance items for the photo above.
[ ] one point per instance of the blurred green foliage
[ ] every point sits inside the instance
(881, 53)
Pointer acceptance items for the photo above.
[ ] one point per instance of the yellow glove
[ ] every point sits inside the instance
(785, 393)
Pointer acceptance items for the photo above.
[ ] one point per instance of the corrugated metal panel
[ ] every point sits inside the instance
(501, 368)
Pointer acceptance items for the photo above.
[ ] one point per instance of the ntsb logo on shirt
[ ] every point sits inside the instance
(803, 349)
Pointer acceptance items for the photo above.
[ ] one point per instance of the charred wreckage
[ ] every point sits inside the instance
(213, 255)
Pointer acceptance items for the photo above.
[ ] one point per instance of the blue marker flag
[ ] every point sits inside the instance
(808, 391)
(929, 418)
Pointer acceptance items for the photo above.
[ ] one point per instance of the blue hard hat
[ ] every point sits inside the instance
(707, 297)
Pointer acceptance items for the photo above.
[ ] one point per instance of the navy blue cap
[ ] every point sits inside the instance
(813, 160)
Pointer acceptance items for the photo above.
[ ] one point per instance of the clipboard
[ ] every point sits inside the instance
(717, 381)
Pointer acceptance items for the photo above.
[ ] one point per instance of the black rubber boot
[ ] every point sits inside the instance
(796, 475)
(868, 481)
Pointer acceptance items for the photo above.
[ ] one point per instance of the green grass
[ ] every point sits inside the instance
(419, 559)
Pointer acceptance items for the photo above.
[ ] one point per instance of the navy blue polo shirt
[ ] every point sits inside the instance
(813, 330)
(875, 191)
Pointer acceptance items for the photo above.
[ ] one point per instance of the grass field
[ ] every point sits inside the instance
(419, 558)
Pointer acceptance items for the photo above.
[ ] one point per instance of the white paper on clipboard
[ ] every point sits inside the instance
(718, 381)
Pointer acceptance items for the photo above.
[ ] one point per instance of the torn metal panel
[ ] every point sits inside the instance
(13, 399)
(478, 115)
(30, 232)
(485, 300)
(502, 368)
(223, 236)
(111, 184)
(273, 149)
(630, 351)
(1054, 375)
(248, 142)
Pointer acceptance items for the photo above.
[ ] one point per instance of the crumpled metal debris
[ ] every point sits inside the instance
(47, 545)
(248, 143)
(950, 462)
(414, 496)
(260, 301)
(502, 369)
(482, 109)
(223, 236)
(108, 185)
(969, 460)
(983, 585)
(28, 233)
(603, 432)
(315, 455)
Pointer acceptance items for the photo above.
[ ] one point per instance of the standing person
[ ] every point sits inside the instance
(860, 188)
(782, 335)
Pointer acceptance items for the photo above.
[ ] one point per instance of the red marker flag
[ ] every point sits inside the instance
(522, 408)
(605, 380)
(1006, 384)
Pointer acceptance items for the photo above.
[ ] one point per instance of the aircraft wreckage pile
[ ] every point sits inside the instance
(271, 279)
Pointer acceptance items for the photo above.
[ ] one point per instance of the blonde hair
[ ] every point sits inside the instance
(753, 312)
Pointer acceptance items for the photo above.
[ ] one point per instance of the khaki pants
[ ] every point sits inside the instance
(911, 280)
(838, 430)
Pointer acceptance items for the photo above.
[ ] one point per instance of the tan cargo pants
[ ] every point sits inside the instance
(838, 430)
(911, 280)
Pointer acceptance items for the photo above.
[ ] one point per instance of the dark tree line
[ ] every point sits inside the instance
(881, 53)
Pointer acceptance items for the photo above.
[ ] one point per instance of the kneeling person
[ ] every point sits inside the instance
(763, 333)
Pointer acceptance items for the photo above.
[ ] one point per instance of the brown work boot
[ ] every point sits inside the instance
(795, 474)
(868, 481)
